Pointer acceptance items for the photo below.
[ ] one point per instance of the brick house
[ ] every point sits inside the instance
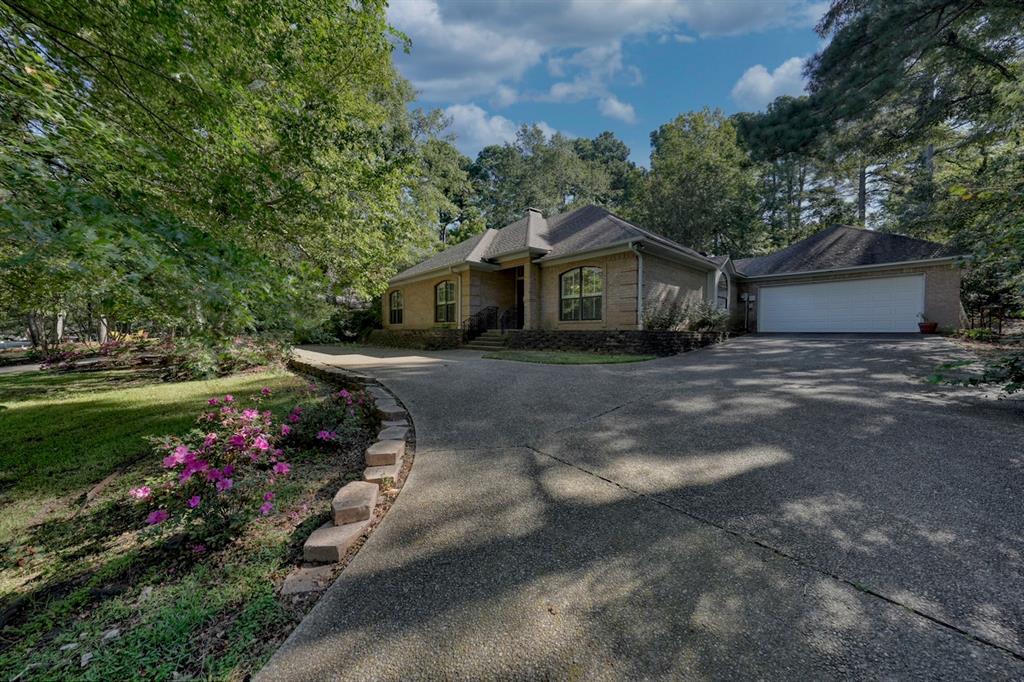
(589, 270)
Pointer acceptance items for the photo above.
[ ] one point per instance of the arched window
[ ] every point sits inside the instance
(395, 307)
(444, 302)
(723, 291)
(580, 291)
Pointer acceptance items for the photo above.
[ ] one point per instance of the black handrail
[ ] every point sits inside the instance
(479, 322)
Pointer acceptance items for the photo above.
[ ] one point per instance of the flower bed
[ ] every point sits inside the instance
(183, 579)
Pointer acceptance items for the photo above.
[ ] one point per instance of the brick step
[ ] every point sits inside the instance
(328, 543)
(385, 452)
(379, 473)
(395, 433)
(354, 502)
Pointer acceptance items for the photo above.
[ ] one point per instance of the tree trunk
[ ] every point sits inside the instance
(862, 194)
(102, 331)
(59, 327)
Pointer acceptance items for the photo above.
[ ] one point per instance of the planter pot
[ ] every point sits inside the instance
(927, 327)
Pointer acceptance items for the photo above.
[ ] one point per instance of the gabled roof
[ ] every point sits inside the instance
(842, 246)
(583, 230)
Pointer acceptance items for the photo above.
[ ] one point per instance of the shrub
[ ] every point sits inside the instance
(664, 315)
(1007, 372)
(316, 422)
(694, 316)
(198, 358)
(702, 316)
(218, 476)
(979, 334)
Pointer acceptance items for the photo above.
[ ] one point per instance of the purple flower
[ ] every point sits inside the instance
(265, 391)
(267, 497)
(261, 443)
(228, 470)
(158, 516)
(285, 429)
(266, 508)
(194, 501)
(180, 455)
(249, 414)
(224, 484)
(210, 439)
(237, 441)
(213, 401)
(199, 548)
(141, 493)
(229, 398)
(282, 468)
(326, 435)
(293, 417)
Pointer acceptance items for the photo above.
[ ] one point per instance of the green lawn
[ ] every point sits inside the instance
(75, 566)
(557, 357)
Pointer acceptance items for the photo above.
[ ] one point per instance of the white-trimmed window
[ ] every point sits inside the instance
(581, 291)
(444, 302)
(395, 307)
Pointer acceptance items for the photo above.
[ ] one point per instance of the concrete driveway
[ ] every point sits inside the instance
(773, 507)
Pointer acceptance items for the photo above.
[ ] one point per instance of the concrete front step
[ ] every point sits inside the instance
(354, 502)
(385, 452)
(379, 473)
(328, 543)
(394, 433)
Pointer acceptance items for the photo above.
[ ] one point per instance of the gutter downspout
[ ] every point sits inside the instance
(637, 248)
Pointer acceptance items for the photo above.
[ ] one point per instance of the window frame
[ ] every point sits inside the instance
(719, 298)
(444, 312)
(392, 308)
(582, 300)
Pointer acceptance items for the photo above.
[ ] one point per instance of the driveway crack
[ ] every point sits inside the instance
(792, 558)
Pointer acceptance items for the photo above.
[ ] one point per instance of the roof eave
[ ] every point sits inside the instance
(873, 266)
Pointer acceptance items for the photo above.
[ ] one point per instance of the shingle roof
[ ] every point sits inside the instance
(453, 255)
(842, 246)
(581, 230)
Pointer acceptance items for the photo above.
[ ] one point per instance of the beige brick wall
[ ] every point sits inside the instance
(488, 288)
(418, 299)
(667, 282)
(941, 290)
(618, 302)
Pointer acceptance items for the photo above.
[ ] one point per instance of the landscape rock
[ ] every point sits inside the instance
(354, 502)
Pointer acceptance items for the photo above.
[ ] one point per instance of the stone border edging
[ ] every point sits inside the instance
(358, 506)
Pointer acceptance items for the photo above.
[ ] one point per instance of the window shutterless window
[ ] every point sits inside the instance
(580, 293)
(444, 302)
(395, 307)
(723, 292)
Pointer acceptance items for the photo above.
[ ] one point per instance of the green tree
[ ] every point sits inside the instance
(702, 188)
(209, 166)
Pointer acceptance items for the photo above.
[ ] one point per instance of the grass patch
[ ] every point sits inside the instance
(79, 581)
(558, 357)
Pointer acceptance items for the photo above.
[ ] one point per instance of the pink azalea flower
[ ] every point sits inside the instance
(224, 484)
(158, 516)
(265, 390)
(293, 417)
(214, 475)
(325, 435)
(261, 443)
(267, 497)
(141, 493)
(285, 429)
(282, 468)
(249, 414)
(180, 455)
(229, 398)
(210, 439)
(194, 501)
(228, 470)
(213, 401)
(343, 393)
(266, 507)
(237, 441)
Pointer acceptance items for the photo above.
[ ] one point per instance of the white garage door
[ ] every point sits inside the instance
(888, 304)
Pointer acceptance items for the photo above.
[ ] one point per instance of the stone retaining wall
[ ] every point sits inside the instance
(612, 341)
(419, 339)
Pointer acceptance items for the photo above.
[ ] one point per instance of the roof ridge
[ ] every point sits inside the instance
(486, 237)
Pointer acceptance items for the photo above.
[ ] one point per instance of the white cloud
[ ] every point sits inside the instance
(757, 86)
(612, 107)
(504, 96)
(475, 129)
(465, 49)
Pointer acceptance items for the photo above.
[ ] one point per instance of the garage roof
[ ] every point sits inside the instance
(842, 246)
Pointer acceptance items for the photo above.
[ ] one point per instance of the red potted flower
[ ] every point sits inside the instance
(927, 326)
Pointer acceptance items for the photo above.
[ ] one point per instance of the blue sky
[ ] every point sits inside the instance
(585, 66)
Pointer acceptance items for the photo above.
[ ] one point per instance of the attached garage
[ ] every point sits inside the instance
(877, 304)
